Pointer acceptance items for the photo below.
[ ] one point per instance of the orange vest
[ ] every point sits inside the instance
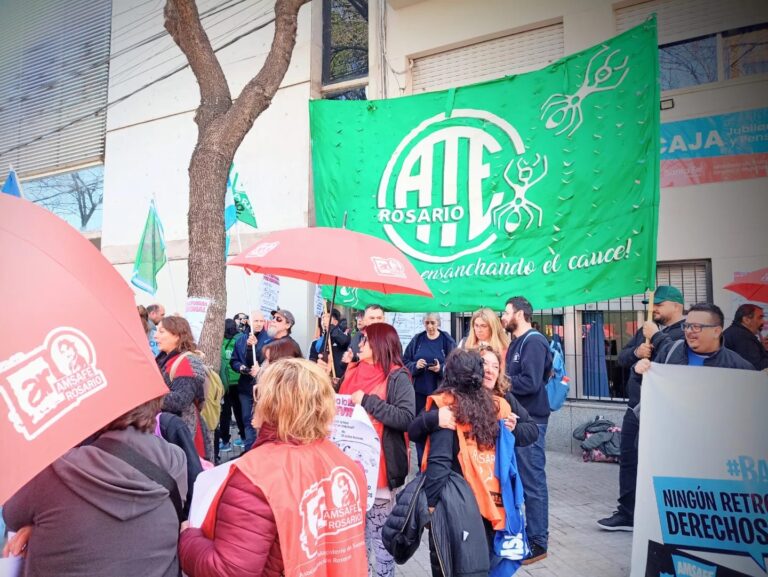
(318, 497)
(477, 465)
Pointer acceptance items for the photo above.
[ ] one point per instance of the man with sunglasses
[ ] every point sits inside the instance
(702, 345)
(281, 324)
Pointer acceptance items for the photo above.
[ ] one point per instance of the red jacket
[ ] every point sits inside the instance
(246, 540)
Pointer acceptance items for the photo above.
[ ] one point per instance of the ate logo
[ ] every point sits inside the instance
(44, 384)
(455, 183)
(262, 249)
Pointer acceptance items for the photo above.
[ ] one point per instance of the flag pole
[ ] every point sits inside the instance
(649, 313)
(247, 292)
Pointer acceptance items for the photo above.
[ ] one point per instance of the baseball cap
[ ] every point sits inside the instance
(287, 315)
(666, 293)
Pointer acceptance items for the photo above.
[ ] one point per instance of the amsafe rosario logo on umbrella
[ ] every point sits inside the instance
(44, 384)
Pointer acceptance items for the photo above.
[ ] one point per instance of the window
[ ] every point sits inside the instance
(53, 92)
(77, 196)
(745, 51)
(704, 41)
(345, 40)
(488, 60)
(688, 63)
(592, 335)
(351, 94)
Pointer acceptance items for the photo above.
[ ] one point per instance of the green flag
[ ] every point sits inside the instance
(242, 202)
(150, 257)
(244, 208)
(544, 184)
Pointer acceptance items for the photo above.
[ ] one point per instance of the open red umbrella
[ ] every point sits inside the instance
(333, 256)
(73, 354)
(752, 286)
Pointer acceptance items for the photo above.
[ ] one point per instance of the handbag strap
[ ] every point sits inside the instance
(145, 466)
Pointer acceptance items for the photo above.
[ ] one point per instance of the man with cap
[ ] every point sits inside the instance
(667, 325)
(281, 325)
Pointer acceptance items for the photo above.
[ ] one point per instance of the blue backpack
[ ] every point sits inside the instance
(557, 385)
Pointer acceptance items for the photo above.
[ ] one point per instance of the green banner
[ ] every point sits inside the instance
(544, 184)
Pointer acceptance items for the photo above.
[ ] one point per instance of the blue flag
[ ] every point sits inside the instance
(12, 185)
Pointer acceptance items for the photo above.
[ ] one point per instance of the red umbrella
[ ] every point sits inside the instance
(73, 354)
(752, 286)
(334, 256)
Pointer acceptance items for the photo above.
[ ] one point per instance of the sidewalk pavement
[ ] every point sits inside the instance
(579, 494)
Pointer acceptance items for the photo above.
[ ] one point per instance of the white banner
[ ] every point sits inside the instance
(702, 483)
(354, 434)
(270, 294)
(195, 310)
(408, 325)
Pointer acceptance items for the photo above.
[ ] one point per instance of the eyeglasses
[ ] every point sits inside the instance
(279, 320)
(696, 327)
(430, 322)
(242, 318)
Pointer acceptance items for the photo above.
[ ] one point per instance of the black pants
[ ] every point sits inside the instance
(421, 402)
(230, 401)
(630, 427)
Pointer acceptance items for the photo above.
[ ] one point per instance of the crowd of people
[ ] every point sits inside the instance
(477, 412)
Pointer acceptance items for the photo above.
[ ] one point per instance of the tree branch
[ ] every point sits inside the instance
(182, 21)
(257, 95)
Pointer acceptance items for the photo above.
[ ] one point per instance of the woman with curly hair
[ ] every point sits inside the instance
(485, 329)
(461, 424)
(183, 369)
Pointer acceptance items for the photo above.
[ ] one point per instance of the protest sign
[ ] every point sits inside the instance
(354, 434)
(702, 499)
(195, 310)
(544, 183)
(270, 294)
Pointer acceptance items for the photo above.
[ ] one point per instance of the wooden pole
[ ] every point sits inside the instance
(649, 312)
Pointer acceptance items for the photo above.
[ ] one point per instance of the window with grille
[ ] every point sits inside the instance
(593, 334)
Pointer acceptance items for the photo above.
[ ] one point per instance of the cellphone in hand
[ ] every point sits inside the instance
(434, 363)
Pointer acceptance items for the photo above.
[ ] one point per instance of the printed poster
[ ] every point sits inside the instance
(354, 434)
(195, 310)
(270, 294)
(702, 484)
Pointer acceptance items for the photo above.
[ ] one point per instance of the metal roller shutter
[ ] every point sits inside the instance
(683, 19)
(511, 54)
(54, 70)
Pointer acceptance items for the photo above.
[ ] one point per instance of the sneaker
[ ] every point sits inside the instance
(238, 442)
(223, 447)
(537, 554)
(616, 522)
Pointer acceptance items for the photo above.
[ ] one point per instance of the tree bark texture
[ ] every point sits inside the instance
(222, 125)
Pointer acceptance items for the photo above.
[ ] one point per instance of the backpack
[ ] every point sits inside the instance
(557, 385)
(229, 376)
(213, 388)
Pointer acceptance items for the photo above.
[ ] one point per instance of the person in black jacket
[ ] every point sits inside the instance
(702, 345)
(742, 336)
(528, 366)
(339, 342)
(474, 412)
(667, 324)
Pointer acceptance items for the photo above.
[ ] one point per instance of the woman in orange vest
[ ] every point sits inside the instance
(461, 425)
(382, 386)
(292, 505)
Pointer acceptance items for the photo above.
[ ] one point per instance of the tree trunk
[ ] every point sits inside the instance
(222, 125)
